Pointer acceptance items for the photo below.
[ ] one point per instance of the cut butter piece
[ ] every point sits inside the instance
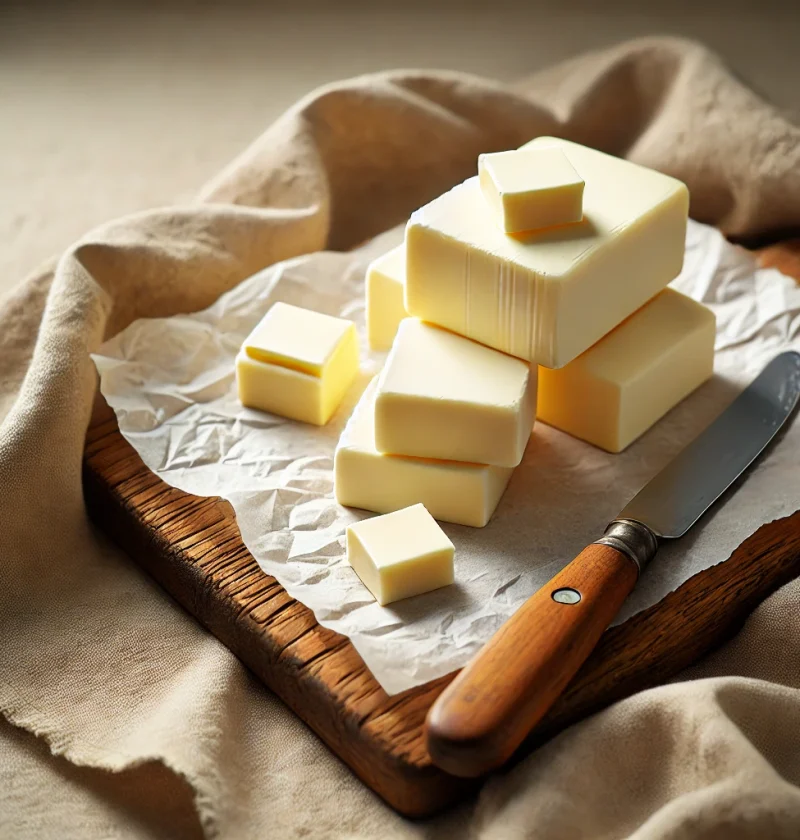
(297, 363)
(620, 387)
(466, 494)
(548, 295)
(385, 292)
(531, 188)
(400, 554)
(441, 395)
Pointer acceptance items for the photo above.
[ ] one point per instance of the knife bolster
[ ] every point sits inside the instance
(634, 539)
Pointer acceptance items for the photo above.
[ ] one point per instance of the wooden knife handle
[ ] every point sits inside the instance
(485, 713)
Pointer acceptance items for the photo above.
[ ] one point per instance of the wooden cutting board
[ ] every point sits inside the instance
(192, 547)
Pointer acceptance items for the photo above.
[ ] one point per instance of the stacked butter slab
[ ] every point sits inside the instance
(297, 363)
(385, 294)
(615, 391)
(548, 294)
(444, 424)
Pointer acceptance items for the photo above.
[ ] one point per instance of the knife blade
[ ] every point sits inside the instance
(682, 492)
(481, 718)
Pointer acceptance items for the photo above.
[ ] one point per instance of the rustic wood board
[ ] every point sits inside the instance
(192, 547)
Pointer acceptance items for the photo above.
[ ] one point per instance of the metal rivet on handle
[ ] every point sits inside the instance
(566, 596)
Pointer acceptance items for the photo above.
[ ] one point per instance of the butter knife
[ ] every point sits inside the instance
(486, 712)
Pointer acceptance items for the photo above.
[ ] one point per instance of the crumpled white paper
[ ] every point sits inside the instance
(171, 383)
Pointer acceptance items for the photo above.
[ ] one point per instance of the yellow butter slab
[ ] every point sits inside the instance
(548, 295)
(441, 395)
(466, 494)
(385, 297)
(616, 390)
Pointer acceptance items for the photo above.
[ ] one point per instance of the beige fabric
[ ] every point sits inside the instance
(111, 674)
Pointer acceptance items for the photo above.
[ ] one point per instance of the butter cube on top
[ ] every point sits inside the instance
(548, 295)
(531, 188)
(620, 387)
(453, 491)
(400, 554)
(441, 395)
(385, 292)
(297, 363)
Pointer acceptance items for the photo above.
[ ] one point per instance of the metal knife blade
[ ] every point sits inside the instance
(684, 490)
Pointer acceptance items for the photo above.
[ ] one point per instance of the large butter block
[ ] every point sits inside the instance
(400, 554)
(297, 363)
(548, 295)
(620, 387)
(441, 395)
(466, 494)
(531, 188)
(385, 297)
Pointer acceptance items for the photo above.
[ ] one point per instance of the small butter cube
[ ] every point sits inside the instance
(385, 305)
(466, 494)
(621, 386)
(550, 294)
(531, 188)
(297, 363)
(441, 395)
(400, 554)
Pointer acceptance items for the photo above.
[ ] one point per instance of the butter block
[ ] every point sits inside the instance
(620, 387)
(548, 295)
(531, 188)
(297, 363)
(466, 494)
(441, 395)
(400, 554)
(385, 292)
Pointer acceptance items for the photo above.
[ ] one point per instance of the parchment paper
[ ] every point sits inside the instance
(171, 384)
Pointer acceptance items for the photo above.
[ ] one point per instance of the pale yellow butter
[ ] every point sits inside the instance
(531, 188)
(297, 363)
(620, 387)
(466, 494)
(400, 554)
(441, 395)
(548, 295)
(385, 297)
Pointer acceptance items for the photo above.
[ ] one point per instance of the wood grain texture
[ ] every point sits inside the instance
(484, 715)
(192, 547)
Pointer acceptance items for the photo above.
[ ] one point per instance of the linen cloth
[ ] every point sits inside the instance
(114, 678)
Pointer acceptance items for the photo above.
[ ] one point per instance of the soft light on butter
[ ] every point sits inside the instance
(466, 494)
(400, 554)
(548, 295)
(297, 363)
(531, 188)
(441, 395)
(616, 390)
(384, 291)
